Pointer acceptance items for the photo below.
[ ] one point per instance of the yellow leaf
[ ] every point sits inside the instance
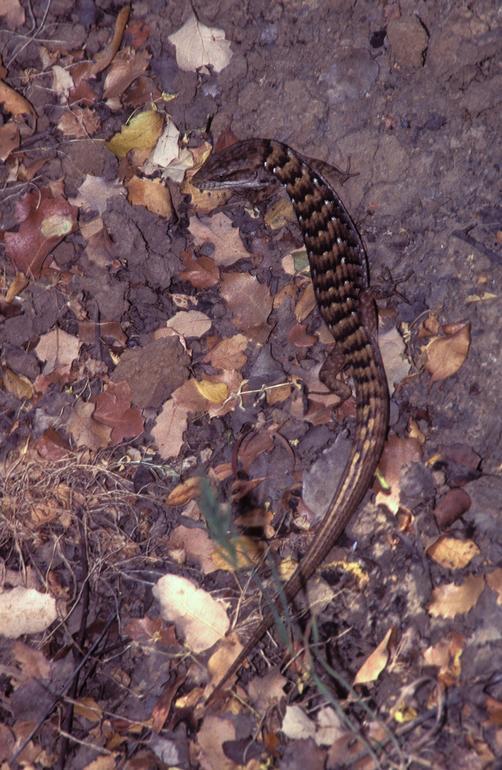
(240, 553)
(141, 133)
(214, 392)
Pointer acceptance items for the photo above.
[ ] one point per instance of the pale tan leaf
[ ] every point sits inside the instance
(296, 724)
(494, 580)
(197, 545)
(229, 353)
(58, 350)
(449, 600)
(452, 553)
(197, 45)
(25, 611)
(169, 428)
(200, 618)
(398, 453)
(377, 661)
(214, 732)
(190, 323)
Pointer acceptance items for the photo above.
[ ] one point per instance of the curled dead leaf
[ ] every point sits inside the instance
(445, 355)
(377, 661)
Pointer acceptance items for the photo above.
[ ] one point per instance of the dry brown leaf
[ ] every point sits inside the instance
(452, 553)
(128, 64)
(248, 300)
(45, 219)
(86, 431)
(220, 232)
(169, 428)
(494, 580)
(105, 57)
(446, 656)
(14, 102)
(151, 194)
(450, 599)
(229, 353)
(32, 663)
(451, 506)
(267, 691)
(89, 709)
(79, 122)
(113, 408)
(306, 303)
(214, 732)
(201, 619)
(377, 661)
(202, 273)
(445, 355)
(9, 139)
(185, 492)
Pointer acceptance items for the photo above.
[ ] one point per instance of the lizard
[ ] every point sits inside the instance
(339, 272)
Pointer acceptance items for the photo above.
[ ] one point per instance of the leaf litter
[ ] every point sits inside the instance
(108, 420)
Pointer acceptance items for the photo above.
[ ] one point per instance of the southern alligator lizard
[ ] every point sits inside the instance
(339, 274)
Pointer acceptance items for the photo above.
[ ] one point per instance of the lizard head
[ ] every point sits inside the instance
(238, 167)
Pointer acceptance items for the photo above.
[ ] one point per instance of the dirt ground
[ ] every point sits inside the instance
(160, 356)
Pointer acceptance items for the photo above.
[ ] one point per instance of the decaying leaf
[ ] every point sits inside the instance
(446, 656)
(229, 353)
(45, 220)
(377, 661)
(95, 192)
(397, 454)
(452, 553)
(197, 45)
(449, 600)
(200, 618)
(113, 408)
(185, 492)
(249, 301)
